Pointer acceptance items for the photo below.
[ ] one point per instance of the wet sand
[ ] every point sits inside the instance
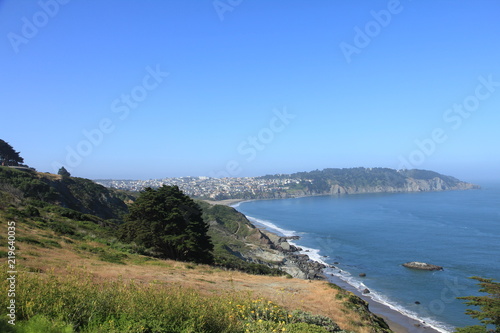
(227, 202)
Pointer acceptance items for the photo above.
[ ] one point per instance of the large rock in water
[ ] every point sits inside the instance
(423, 266)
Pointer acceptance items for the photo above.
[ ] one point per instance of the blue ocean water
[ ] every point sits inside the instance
(376, 233)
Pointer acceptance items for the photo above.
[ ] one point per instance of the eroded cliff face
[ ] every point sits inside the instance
(410, 185)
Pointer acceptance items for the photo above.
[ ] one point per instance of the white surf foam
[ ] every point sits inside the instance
(386, 301)
(314, 254)
(235, 205)
(271, 226)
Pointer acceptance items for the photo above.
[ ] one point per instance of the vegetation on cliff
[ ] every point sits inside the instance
(8, 156)
(489, 307)
(78, 194)
(367, 180)
(56, 294)
(76, 301)
(77, 207)
(63, 213)
(231, 234)
(341, 181)
(169, 224)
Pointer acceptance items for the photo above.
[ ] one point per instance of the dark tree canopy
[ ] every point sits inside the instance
(170, 224)
(489, 307)
(63, 172)
(8, 156)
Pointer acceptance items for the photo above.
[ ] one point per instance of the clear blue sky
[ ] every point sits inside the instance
(253, 87)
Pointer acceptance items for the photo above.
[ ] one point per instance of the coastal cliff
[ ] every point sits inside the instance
(363, 180)
(280, 254)
(410, 185)
(330, 181)
(239, 243)
(111, 272)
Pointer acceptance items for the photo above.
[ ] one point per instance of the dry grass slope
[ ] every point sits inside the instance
(46, 254)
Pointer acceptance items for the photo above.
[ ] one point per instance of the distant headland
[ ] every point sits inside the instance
(330, 181)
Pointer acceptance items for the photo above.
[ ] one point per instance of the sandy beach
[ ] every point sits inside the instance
(227, 202)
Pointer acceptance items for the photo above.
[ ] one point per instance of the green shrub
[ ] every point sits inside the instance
(115, 258)
(12, 213)
(262, 316)
(224, 258)
(62, 228)
(66, 212)
(38, 324)
(317, 320)
(76, 301)
(116, 324)
(47, 243)
(304, 328)
(51, 243)
(91, 218)
(37, 203)
(5, 326)
(29, 240)
(31, 211)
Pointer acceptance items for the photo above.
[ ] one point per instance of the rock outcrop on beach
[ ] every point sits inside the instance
(422, 266)
(287, 257)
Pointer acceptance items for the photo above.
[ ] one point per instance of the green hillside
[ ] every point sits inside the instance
(64, 221)
(79, 194)
(77, 207)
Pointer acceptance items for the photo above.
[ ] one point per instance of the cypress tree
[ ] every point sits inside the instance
(170, 224)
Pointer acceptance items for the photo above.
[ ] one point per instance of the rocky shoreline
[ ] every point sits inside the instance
(294, 259)
(279, 253)
(270, 249)
(275, 251)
